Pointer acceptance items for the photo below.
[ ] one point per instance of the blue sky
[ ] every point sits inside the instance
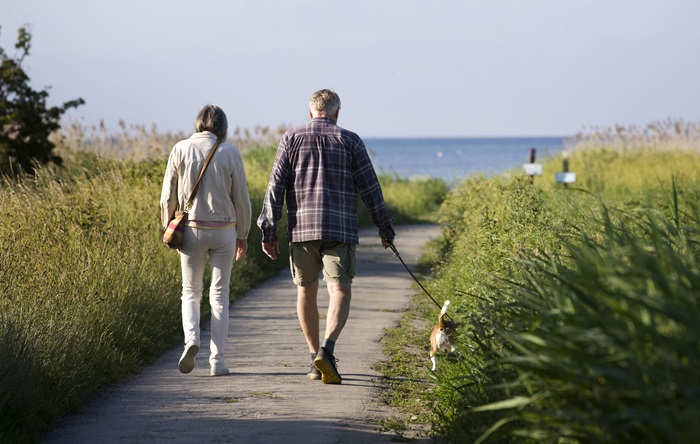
(403, 68)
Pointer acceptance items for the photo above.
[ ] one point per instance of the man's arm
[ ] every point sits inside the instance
(273, 203)
(371, 192)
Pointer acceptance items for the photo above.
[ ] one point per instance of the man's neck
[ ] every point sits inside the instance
(317, 114)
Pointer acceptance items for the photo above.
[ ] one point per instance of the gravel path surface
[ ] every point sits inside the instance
(267, 397)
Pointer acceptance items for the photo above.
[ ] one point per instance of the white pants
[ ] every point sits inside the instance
(220, 246)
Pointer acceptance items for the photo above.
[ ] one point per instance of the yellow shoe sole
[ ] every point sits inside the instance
(329, 375)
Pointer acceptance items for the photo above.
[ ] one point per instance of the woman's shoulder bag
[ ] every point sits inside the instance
(173, 233)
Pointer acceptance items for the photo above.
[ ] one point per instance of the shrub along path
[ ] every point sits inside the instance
(267, 397)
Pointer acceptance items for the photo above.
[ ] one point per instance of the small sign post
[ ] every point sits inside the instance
(566, 177)
(532, 169)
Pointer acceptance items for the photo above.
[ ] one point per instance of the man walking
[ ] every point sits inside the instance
(319, 168)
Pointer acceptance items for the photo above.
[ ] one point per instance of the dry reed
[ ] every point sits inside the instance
(138, 142)
(667, 135)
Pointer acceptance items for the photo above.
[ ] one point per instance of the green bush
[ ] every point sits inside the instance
(25, 121)
(408, 200)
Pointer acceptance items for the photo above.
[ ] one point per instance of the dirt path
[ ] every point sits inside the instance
(267, 397)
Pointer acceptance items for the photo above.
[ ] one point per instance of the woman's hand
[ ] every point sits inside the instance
(241, 248)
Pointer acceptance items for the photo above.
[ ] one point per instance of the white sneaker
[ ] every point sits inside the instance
(186, 363)
(219, 370)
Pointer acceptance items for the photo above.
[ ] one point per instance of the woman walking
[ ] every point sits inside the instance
(219, 220)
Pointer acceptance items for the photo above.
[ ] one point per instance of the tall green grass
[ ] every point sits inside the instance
(88, 293)
(604, 338)
(577, 306)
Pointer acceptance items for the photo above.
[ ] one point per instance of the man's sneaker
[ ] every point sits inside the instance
(313, 373)
(325, 363)
(186, 363)
(219, 370)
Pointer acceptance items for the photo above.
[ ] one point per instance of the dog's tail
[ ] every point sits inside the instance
(444, 307)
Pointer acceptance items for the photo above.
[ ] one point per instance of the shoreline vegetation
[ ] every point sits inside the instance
(576, 306)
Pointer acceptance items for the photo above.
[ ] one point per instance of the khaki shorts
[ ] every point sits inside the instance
(307, 259)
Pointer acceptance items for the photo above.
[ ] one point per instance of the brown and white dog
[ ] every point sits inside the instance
(440, 338)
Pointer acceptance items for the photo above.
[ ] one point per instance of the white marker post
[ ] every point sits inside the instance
(566, 177)
(532, 169)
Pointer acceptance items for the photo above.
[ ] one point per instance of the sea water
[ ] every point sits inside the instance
(452, 159)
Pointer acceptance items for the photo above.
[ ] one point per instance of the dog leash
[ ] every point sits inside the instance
(396, 252)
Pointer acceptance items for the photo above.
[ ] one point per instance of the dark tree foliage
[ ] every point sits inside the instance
(25, 120)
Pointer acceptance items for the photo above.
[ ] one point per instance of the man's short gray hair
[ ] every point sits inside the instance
(212, 118)
(325, 101)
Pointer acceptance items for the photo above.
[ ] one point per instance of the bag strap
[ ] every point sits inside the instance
(201, 173)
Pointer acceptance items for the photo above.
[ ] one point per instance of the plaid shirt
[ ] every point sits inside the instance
(319, 168)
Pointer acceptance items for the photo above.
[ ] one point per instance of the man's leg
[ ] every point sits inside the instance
(338, 310)
(307, 312)
(339, 294)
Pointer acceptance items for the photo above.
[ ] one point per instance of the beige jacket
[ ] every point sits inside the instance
(222, 195)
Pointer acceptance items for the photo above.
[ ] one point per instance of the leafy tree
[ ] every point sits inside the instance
(25, 121)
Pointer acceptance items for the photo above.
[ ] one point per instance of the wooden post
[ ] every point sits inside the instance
(533, 151)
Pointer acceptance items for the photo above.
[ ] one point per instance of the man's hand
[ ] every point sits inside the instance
(271, 249)
(241, 248)
(387, 235)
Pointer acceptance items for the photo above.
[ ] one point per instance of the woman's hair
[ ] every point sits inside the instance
(325, 101)
(212, 118)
